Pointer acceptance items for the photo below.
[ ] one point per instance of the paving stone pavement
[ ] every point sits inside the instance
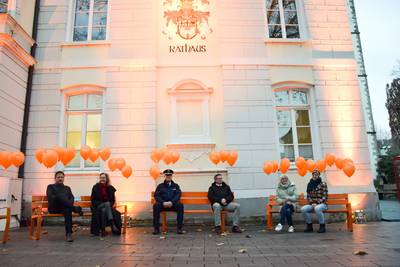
(381, 240)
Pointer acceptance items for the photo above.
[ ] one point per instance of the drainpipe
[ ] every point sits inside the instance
(24, 136)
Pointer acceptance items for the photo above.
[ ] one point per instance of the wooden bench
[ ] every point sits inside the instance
(334, 200)
(7, 217)
(39, 212)
(192, 199)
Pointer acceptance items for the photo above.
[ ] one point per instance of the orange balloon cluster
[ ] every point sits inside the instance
(120, 164)
(11, 158)
(229, 157)
(304, 166)
(273, 166)
(93, 153)
(166, 155)
(50, 157)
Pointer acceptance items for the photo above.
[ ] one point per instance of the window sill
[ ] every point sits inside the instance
(190, 145)
(287, 41)
(80, 172)
(86, 43)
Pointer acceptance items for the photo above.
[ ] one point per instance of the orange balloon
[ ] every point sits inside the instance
(167, 157)
(302, 172)
(18, 158)
(339, 163)
(60, 151)
(50, 158)
(223, 155)
(330, 159)
(284, 165)
(310, 165)
(127, 171)
(274, 166)
(105, 153)
(299, 162)
(6, 159)
(112, 165)
(320, 165)
(69, 154)
(214, 157)
(120, 163)
(175, 156)
(268, 167)
(154, 172)
(2, 155)
(349, 169)
(39, 154)
(94, 155)
(156, 155)
(347, 160)
(232, 158)
(86, 152)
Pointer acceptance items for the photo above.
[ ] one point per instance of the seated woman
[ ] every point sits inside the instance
(103, 208)
(286, 195)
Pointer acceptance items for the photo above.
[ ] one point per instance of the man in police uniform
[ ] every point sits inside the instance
(167, 196)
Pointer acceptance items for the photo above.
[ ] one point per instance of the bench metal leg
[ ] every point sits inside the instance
(223, 220)
(164, 221)
(7, 227)
(125, 219)
(38, 226)
(269, 217)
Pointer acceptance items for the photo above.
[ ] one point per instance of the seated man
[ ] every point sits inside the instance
(61, 200)
(167, 196)
(221, 197)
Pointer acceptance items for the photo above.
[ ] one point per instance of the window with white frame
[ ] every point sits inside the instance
(190, 121)
(282, 18)
(90, 20)
(83, 125)
(293, 117)
(3, 6)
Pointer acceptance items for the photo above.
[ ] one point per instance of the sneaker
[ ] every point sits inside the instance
(179, 231)
(236, 229)
(279, 227)
(68, 238)
(291, 229)
(218, 230)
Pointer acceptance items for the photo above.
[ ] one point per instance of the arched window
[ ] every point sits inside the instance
(294, 126)
(83, 124)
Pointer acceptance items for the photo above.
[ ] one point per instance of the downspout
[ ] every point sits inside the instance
(365, 97)
(24, 135)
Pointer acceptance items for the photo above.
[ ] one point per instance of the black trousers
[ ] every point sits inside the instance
(65, 207)
(158, 208)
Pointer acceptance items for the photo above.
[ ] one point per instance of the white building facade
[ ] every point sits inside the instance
(267, 78)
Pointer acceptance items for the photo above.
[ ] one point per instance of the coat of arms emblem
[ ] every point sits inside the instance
(187, 18)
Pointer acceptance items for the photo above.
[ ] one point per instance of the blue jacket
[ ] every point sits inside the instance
(165, 192)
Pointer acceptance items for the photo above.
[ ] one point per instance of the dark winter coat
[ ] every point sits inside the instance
(168, 192)
(216, 193)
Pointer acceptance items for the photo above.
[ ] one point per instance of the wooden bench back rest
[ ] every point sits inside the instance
(190, 198)
(389, 187)
(37, 201)
(333, 199)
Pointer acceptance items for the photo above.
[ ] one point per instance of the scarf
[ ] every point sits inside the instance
(312, 185)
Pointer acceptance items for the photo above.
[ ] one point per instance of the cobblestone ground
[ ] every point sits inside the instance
(200, 247)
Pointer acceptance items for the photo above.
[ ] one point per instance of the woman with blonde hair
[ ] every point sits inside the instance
(286, 195)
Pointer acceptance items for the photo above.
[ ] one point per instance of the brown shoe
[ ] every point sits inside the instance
(68, 237)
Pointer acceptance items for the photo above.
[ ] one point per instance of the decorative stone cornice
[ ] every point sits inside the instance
(9, 43)
(14, 28)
